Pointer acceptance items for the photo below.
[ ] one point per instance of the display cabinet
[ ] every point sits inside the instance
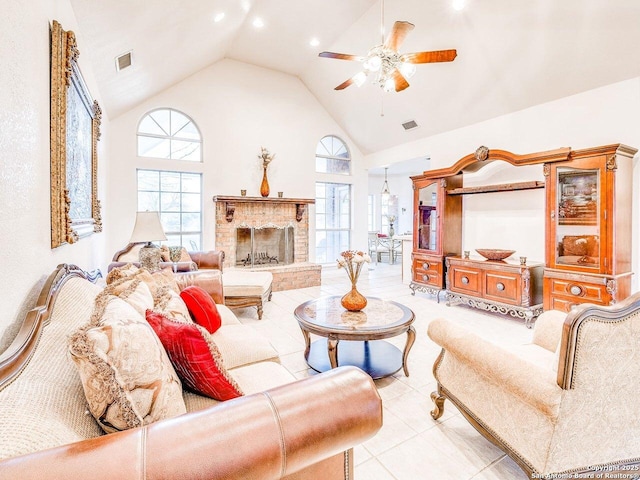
(588, 227)
(437, 231)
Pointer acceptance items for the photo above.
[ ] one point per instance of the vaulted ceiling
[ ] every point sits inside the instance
(511, 54)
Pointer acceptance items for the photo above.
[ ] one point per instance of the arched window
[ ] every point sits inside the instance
(332, 156)
(168, 133)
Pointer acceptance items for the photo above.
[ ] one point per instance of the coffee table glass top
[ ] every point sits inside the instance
(328, 314)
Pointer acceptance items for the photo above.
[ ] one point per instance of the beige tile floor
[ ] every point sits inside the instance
(410, 445)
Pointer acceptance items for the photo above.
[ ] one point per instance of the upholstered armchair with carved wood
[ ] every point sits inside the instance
(567, 403)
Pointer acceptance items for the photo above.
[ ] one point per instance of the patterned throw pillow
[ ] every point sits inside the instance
(184, 255)
(127, 377)
(132, 290)
(202, 308)
(195, 357)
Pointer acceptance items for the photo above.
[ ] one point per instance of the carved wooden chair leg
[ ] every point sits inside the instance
(438, 402)
(259, 312)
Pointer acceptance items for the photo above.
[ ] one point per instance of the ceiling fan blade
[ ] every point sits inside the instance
(344, 84)
(398, 34)
(400, 81)
(341, 56)
(429, 57)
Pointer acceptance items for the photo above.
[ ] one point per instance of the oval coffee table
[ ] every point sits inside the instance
(361, 333)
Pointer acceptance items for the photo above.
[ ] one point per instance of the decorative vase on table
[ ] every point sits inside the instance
(352, 261)
(266, 158)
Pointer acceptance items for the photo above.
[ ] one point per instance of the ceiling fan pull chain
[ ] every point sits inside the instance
(382, 21)
(382, 104)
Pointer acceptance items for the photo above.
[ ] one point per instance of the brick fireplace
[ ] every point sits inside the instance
(262, 233)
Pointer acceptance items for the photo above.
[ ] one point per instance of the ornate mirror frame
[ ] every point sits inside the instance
(75, 131)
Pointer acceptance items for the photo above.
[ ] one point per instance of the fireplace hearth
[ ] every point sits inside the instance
(272, 234)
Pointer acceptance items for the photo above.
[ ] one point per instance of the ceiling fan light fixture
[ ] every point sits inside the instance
(372, 63)
(389, 85)
(360, 78)
(407, 69)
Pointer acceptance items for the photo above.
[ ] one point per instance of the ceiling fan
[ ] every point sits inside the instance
(391, 68)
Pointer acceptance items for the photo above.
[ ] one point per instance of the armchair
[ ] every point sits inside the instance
(566, 404)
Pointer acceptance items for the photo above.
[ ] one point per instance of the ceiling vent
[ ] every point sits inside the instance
(411, 124)
(123, 61)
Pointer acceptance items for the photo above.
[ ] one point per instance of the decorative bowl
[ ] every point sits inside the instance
(494, 253)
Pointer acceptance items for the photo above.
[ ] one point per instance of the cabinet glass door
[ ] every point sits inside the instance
(427, 217)
(577, 217)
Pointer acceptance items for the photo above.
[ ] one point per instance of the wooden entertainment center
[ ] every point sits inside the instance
(587, 234)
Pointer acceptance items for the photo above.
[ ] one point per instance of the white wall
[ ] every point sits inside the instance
(25, 236)
(238, 108)
(515, 220)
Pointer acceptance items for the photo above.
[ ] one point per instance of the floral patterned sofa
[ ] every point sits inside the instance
(279, 427)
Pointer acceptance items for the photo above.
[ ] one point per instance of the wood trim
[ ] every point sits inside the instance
(16, 357)
(474, 161)
(226, 198)
(577, 317)
(504, 187)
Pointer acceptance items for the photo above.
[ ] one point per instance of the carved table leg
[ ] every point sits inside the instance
(332, 346)
(438, 401)
(411, 337)
(307, 343)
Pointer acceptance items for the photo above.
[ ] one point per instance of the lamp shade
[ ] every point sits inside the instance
(147, 228)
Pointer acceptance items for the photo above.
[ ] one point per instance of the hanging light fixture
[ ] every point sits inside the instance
(385, 185)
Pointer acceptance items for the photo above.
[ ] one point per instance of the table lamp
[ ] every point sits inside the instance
(148, 229)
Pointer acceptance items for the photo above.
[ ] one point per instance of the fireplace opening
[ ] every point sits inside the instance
(264, 246)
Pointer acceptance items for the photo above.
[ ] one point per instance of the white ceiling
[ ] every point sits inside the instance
(512, 54)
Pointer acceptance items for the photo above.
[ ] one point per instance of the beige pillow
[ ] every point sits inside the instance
(127, 377)
(134, 291)
(121, 272)
(170, 304)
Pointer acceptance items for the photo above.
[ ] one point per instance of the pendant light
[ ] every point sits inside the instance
(385, 185)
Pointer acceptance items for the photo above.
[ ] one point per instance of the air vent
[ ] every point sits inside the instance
(123, 61)
(410, 125)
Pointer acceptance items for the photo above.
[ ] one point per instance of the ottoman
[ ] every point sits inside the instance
(246, 289)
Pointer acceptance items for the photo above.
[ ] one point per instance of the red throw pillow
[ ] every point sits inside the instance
(202, 308)
(195, 357)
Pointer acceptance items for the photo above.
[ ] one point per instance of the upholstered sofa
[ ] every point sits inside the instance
(567, 405)
(212, 259)
(280, 428)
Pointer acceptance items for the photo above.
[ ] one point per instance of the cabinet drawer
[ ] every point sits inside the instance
(579, 292)
(502, 287)
(428, 271)
(464, 280)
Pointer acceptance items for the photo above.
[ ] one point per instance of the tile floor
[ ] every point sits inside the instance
(410, 445)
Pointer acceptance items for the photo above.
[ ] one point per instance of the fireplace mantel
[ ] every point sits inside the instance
(230, 203)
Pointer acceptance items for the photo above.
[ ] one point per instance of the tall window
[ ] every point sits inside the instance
(178, 198)
(168, 133)
(371, 212)
(332, 156)
(333, 220)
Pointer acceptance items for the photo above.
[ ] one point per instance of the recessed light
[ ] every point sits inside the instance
(258, 22)
(314, 42)
(218, 17)
(458, 5)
